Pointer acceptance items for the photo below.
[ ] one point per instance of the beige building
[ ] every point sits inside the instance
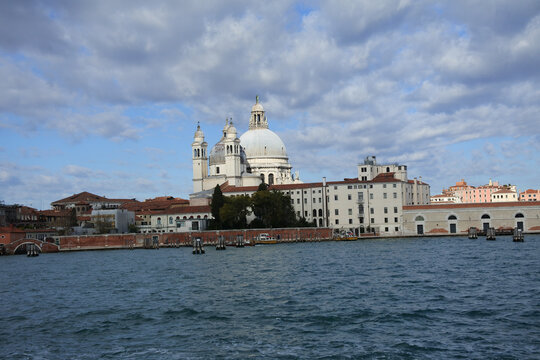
(458, 218)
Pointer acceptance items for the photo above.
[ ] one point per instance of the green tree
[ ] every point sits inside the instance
(132, 228)
(234, 213)
(272, 209)
(218, 200)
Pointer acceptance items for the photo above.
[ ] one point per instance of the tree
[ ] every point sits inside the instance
(234, 213)
(103, 224)
(132, 228)
(272, 209)
(218, 200)
(262, 187)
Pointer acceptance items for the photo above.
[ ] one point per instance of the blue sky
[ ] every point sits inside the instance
(105, 96)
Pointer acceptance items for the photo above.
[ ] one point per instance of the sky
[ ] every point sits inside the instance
(105, 96)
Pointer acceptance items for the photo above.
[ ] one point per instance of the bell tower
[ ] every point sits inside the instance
(200, 159)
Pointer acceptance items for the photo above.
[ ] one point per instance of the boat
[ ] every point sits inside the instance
(265, 238)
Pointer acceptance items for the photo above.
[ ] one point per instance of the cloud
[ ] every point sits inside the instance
(399, 79)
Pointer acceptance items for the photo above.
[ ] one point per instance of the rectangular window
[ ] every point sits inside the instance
(349, 186)
(384, 186)
(292, 201)
(371, 196)
(298, 213)
(361, 196)
(350, 211)
(386, 229)
(373, 220)
(350, 221)
(361, 220)
(335, 197)
(372, 211)
(305, 213)
(349, 197)
(384, 195)
(395, 209)
(305, 201)
(336, 211)
(396, 228)
(394, 185)
(320, 200)
(386, 221)
(298, 201)
(395, 195)
(395, 220)
(385, 210)
(335, 187)
(337, 221)
(314, 200)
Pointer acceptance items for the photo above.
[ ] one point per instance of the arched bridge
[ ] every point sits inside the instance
(19, 246)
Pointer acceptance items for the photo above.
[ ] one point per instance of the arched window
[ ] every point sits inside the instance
(452, 217)
(486, 216)
(314, 212)
(270, 179)
(262, 178)
(387, 169)
(194, 152)
(159, 221)
(185, 218)
(217, 169)
(419, 218)
(320, 212)
(519, 215)
(178, 218)
(170, 220)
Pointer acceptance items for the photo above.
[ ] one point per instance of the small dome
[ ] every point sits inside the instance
(263, 143)
(217, 154)
(257, 107)
(231, 131)
(199, 135)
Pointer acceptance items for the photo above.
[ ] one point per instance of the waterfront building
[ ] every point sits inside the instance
(174, 219)
(458, 218)
(259, 155)
(372, 203)
(530, 195)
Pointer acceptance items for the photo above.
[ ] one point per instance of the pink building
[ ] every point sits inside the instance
(470, 194)
(530, 195)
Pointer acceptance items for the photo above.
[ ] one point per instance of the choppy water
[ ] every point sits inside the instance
(444, 298)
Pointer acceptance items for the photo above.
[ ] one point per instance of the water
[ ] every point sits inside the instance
(443, 298)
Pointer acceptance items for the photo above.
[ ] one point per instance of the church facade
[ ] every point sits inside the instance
(258, 155)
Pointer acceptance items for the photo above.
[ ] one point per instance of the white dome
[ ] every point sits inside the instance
(263, 143)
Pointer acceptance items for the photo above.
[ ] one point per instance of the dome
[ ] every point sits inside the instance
(217, 154)
(199, 135)
(262, 143)
(257, 107)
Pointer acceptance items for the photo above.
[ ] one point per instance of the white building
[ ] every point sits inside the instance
(174, 219)
(505, 195)
(258, 155)
(370, 204)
